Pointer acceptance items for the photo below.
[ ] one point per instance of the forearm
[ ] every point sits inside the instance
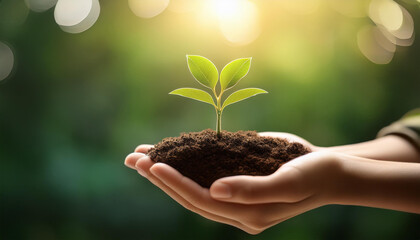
(389, 148)
(380, 184)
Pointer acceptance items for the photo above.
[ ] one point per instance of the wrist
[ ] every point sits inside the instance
(354, 180)
(322, 173)
(375, 183)
(340, 181)
(333, 187)
(388, 148)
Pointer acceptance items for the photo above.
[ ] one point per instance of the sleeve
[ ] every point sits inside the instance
(407, 127)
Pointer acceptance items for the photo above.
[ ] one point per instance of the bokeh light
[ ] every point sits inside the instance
(383, 41)
(367, 40)
(76, 16)
(40, 5)
(406, 30)
(148, 8)
(7, 60)
(71, 12)
(397, 41)
(394, 26)
(390, 14)
(392, 17)
(238, 20)
(86, 23)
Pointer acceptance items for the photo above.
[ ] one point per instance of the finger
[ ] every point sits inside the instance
(194, 193)
(143, 148)
(284, 211)
(282, 186)
(283, 219)
(131, 159)
(145, 163)
(289, 137)
(278, 135)
(243, 189)
(269, 134)
(199, 211)
(256, 217)
(251, 216)
(274, 213)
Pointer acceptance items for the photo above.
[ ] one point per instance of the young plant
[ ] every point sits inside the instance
(205, 72)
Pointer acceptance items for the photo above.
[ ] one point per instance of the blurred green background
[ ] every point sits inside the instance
(76, 104)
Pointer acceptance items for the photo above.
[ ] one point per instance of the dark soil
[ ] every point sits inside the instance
(204, 157)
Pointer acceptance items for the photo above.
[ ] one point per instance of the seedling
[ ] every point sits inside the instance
(205, 72)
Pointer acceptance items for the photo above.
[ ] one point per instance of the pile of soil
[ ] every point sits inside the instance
(204, 157)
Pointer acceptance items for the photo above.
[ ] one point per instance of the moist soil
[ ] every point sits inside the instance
(205, 157)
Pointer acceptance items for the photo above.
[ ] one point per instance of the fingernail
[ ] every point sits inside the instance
(221, 190)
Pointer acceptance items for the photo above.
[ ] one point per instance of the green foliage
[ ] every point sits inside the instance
(205, 72)
(241, 95)
(195, 94)
(233, 72)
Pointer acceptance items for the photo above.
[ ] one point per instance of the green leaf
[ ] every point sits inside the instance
(233, 72)
(203, 70)
(195, 94)
(241, 95)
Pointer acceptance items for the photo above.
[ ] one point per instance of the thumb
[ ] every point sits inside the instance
(280, 186)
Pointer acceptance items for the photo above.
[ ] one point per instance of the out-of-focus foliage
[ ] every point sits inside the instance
(75, 105)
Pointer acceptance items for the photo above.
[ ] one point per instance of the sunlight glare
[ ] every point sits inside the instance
(238, 20)
(227, 8)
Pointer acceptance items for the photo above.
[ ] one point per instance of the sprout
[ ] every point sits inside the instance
(207, 75)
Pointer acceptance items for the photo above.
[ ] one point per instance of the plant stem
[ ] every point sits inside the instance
(218, 112)
(219, 122)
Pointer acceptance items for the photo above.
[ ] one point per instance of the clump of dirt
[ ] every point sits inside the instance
(204, 157)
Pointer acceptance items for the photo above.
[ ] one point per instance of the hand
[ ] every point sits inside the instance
(388, 148)
(291, 138)
(256, 202)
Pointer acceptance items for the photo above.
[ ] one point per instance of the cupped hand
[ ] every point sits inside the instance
(291, 138)
(251, 203)
(147, 168)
